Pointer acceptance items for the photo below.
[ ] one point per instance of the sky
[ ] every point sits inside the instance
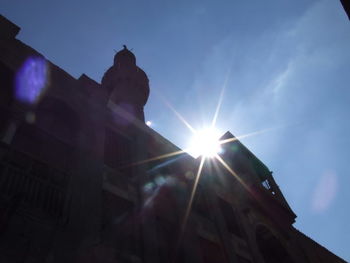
(283, 68)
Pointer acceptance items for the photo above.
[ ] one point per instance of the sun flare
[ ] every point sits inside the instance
(205, 143)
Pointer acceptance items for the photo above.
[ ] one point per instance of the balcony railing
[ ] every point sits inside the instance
(30, 182)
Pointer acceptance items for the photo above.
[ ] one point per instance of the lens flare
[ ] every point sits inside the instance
(123, 113)
(31, 80)
(325, 192)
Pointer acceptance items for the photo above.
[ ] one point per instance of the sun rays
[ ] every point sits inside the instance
(205, 137)
(189, 205)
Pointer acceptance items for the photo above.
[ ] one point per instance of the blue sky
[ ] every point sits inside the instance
(285, 64)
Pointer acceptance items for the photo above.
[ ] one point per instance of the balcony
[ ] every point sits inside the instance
(32, 186)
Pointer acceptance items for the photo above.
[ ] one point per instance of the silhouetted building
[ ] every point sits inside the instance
(83, 179)
(346, 5)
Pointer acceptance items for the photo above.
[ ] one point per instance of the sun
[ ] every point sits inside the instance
(205, 143)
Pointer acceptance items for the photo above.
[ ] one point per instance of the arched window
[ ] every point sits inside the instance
(52, 135)
(6, 97)
(270, 247)
(117, 150)
(230, 218)
(58, 119)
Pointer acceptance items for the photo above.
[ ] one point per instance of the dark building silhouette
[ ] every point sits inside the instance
(81, 179)
(346, 5)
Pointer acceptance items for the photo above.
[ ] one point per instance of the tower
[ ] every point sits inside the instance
(127, 86)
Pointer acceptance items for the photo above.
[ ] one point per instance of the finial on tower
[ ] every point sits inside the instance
(125, 57)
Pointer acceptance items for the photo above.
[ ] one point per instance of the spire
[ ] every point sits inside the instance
(125, 58)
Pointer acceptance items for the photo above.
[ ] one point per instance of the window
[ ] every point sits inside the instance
(117, 150)
(230, 218)
(118, 223)
(242, 259)
(6, 97)
(266, 184)
(270, 247)
(167, 235)
(58, 119)
(200, 204)
(211, 252)
(51, 137)
(42, 146)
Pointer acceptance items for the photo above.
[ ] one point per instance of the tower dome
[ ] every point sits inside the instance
(124, 57)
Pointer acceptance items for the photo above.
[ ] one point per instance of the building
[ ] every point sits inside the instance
(83, 179)
(346, 5)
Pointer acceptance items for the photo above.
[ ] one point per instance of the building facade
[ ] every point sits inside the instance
(83, 179)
